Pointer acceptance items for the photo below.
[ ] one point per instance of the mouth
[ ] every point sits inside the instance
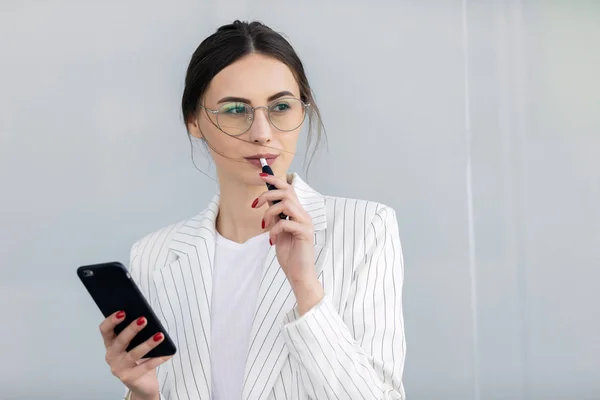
(255, 159)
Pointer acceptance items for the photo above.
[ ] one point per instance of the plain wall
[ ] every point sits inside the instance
(478, 121)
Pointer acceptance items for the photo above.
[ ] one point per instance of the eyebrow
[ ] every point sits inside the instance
(243, 100)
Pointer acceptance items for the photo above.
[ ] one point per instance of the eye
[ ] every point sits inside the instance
(234, 108)
(281, 107)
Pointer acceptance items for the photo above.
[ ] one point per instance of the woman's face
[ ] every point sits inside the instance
(257, 80)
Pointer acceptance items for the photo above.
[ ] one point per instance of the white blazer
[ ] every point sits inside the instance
(349, 346)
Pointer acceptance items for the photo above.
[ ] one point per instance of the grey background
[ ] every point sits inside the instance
(478, 121)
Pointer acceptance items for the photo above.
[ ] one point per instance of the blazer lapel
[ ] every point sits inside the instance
(184, 291)
(267, 350)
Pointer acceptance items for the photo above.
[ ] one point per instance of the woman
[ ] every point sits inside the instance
(260, 307)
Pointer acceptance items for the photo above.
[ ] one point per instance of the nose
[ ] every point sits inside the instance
(260, 132)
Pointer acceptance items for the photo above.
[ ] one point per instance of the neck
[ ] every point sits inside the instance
(237, 220)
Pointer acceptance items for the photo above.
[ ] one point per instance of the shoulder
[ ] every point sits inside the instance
(353, 213)
(154, 247)
(358, 227)
(343, 213)
(360, 231)
(158, 238)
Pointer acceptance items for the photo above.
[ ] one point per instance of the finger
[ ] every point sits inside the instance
(149, 365)
(142, 349)
(131, 375)
(274, 195)
(298, 230)
(123, 339)
(279, 183)
(107, 327)
(288, 207)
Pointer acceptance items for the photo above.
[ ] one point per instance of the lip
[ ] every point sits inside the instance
(255, 159)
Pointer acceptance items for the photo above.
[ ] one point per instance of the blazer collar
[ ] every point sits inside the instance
(194, 245)
(312, 201)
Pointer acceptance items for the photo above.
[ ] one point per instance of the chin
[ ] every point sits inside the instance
(250, 177)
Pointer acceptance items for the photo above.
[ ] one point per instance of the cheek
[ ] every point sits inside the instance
(209, 131)
(289, 141)
(218, 140)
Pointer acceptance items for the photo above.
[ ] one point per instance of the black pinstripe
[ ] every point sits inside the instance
(325, 354)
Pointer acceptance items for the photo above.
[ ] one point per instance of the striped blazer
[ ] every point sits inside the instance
(351, 345)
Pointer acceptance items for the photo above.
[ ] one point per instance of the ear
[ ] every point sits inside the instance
(194, 128)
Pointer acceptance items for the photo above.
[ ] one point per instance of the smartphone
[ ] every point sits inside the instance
(112, 289)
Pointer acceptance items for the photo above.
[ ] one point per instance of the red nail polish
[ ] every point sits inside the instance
(157, 337)
(255, 203)
(263, 174)
(271, 243)
(141, 321)
(120, 314)
(263, 224)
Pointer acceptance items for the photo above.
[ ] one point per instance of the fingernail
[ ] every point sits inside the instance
(271, 243)
(158, 337)
(120, 314)
(255, 203)
(263, 224)
(263, 174)
(141, 321)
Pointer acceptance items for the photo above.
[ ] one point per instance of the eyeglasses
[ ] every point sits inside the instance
(235, 118)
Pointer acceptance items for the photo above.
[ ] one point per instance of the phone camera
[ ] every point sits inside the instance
(87, 273)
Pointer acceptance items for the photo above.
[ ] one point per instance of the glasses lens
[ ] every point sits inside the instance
(287, 114)
(234, 118)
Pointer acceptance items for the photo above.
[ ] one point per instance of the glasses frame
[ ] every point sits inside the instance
(267, 107)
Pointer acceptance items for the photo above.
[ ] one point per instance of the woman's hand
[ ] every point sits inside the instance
(293, 239)
(136, 373)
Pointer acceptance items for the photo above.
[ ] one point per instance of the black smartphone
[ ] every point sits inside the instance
(112, 289)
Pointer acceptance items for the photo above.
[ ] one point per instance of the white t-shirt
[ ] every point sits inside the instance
(236, 279)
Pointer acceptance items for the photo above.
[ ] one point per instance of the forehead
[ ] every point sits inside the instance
(255, 77)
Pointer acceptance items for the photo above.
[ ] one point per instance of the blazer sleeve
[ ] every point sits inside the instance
(134, 270)
(359, 354)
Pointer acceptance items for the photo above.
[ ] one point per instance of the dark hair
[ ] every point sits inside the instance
(232, 42)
